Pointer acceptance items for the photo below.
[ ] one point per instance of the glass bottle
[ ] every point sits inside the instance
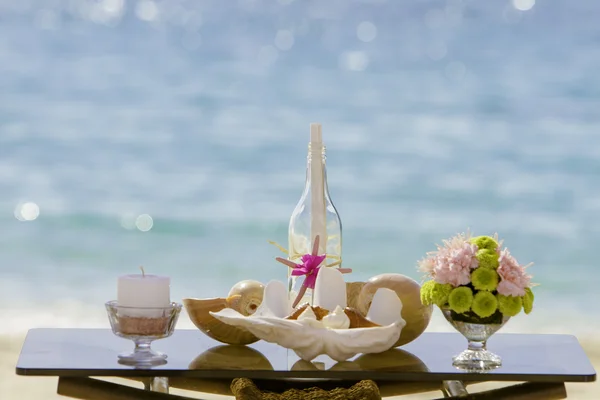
(314, 215)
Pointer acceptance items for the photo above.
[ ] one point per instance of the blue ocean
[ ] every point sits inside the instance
(173, 135)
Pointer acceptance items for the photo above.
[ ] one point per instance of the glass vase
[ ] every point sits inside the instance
(126, 323)
(477, 331)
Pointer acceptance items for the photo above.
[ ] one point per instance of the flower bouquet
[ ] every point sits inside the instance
(478, 286)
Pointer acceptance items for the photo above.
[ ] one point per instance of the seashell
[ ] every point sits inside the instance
(352, 291)
(306, 336)
(308, 341)
(330, 290)
(386, 307)
(298, 311)
(319, 312)
(416, 315)
(357, 320)
(199, 312)
(275, 302)
(246, 296)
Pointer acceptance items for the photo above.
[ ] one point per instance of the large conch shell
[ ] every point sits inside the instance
(416, 315)
(352, 291)
(244, 297)
(307, 336)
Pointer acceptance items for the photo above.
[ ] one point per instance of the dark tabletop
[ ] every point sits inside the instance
(93, 352)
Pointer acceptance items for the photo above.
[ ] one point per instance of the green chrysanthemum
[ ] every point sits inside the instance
(440, 293)
(485, 242)
(509, 305)
(484, 304)
(487, 258)
(460, 299)
(426, 290)
(484, 279)
(528, 301)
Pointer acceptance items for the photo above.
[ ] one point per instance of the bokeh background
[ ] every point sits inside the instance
(172, 134)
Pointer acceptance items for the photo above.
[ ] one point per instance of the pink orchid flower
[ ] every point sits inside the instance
(310, 268)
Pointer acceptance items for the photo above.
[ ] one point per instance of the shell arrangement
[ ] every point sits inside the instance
(328, 326)
(246, 296)
(356, 317)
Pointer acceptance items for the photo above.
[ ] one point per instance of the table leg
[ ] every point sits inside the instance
(522, 391)
(158, 384)
(454, 389)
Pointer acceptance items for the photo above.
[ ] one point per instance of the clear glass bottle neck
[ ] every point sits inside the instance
(314, 152)
(312, 162)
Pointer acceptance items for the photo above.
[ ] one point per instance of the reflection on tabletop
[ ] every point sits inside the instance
(231, 357)
(244, 358)
(391, 360)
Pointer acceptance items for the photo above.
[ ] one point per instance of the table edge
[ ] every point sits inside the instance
(316, 375)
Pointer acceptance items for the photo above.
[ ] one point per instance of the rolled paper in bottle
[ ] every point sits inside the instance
(318, 221)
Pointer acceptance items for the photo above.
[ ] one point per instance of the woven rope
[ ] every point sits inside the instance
(245, 389)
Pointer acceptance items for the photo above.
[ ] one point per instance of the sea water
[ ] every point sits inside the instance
(172, 135)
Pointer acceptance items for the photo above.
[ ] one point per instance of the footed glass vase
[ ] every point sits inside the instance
(477, 331)
(143, 325)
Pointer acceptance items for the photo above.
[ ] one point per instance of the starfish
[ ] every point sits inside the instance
(310, 268)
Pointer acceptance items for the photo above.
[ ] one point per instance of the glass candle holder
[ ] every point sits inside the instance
(142, 326)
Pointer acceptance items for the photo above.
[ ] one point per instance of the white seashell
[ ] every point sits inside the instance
(330, 289)
(309, 318)
(309, 342)
(416, 315)
(246, 296)
(307, 336)
(385, 307)
(337, 319)
(275, 301)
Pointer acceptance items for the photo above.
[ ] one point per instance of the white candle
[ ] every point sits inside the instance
(143, 291)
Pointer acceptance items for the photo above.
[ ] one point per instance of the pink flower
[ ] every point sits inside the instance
(513, 279)
(454, 263)
(427, 265)
(310, 268)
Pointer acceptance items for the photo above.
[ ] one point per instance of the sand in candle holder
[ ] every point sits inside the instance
(143, 326)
